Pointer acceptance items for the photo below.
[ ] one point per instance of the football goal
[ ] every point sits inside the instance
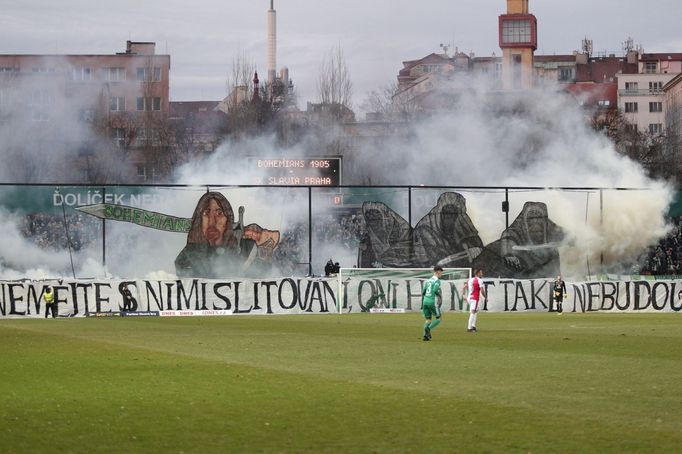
(390, 289)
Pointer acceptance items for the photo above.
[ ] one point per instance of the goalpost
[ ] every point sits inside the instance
(389, 289)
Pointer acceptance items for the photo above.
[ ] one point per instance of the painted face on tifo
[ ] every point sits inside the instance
(448, 217)
(213, 223)
(536, 224)
(375, 221)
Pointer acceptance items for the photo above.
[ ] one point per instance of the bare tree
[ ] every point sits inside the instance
(388, 103)
(239, 82)
(153, 135)
(250, 113)
(103, 156)
(334, 84)
(656, 152)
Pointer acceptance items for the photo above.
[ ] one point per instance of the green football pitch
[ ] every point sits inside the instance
(343, 383)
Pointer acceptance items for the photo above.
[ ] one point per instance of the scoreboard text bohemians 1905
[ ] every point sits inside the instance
(296, 171)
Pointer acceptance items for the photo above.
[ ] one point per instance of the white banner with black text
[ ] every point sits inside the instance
(188, 297)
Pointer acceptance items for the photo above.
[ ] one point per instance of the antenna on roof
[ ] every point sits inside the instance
(628, 45)
(445, 48)
(587, 46)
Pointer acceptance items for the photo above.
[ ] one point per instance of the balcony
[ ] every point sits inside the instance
(643, 92)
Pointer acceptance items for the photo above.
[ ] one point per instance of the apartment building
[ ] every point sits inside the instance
(632, 83)
(673, 108)
(641, 97)
(123, 97)
(418, 79)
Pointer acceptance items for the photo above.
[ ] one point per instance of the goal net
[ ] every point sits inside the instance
(363, 289)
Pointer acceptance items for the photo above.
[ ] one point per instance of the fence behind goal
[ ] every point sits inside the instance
(388, 287)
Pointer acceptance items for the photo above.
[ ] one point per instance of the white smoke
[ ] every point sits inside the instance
(23, 258)
(272, 208)
(50, 119)
(47, 135)
(538, 138)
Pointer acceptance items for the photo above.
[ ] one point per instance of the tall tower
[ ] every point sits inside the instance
(256, 88)
(272, 43)
(518, 41)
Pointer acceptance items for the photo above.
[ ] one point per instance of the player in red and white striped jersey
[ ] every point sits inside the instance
(476, 293)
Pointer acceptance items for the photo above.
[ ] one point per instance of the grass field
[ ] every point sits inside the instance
(351, 383)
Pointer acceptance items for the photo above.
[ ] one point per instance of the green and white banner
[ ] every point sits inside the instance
(143, 218)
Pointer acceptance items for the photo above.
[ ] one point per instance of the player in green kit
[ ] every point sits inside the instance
(430, 309)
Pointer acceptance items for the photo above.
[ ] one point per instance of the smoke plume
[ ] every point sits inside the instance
(479, 138)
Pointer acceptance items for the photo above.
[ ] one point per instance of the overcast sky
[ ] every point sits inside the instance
(204, 36)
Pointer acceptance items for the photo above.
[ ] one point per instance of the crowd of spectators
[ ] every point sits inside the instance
(344, 231)
(49, 232)
(665, 258)
(287, 258)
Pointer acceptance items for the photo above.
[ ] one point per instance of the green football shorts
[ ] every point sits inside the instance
(430, 310)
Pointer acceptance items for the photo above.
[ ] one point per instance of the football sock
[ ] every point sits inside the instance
(435, 323)
(472, 320)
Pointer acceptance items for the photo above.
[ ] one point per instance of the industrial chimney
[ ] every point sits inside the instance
(272, 43)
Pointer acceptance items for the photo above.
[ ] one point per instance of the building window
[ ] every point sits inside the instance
(655, 128)
(154, 136)
(604, 103)
(631, 107)
(8, 69)
(115, 74)
(119, 137)
(141, 172)
(517, 70)
(140, 136)
(655, 87)
(516, 31)
(655, 107)
(80, 74)
(146, 136)
(146, 74)
(40, 103)
(631, 86)
(117, 103)
(148, 103)
(42, 70)
(631, 128)
(432, 68)
(565, 74)
(650, 67)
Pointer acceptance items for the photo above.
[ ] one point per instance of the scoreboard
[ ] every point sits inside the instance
(296, 171)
